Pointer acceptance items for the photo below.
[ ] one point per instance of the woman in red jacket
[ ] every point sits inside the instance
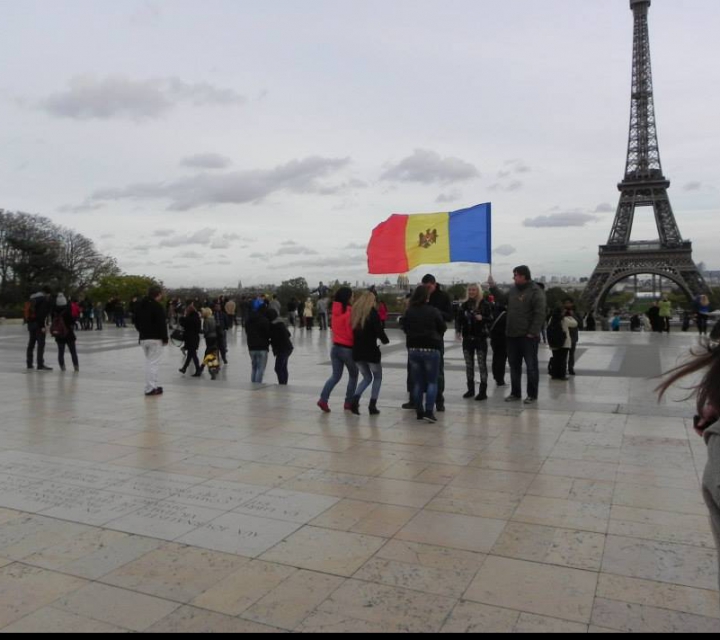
(341, 354)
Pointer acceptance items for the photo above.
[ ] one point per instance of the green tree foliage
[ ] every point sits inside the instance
(296, 288)
(35, 252)
(122, 287)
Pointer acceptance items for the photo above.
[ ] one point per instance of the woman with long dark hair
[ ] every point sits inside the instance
(707, 426)
(342, 351)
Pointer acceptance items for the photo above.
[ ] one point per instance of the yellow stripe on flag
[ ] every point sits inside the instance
(428, 239)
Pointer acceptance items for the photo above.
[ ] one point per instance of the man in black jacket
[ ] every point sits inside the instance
(441, 301)
(37, 315)
(151, 323)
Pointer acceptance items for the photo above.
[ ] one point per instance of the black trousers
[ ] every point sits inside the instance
(73, 353)
(192, 356)
(559, 363)
(36, 338)
(499, 360)
(571, 358)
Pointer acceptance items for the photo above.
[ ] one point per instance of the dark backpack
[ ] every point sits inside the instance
(58, 328)
(556, 333)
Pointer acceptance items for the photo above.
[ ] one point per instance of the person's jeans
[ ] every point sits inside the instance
(702, 324)
(341, 357)
(323, 321)
(470, 349)
(372, 373)
(440, 400)
(73, 354)
(281, 367)
(153, 350)
(259, 363)
(36, 337)
(519, 350)
(425, 367)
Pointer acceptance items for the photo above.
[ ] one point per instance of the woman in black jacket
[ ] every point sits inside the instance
(367, 330)
(472, 325)
(424, 327)
(62, 328)
(192, 326)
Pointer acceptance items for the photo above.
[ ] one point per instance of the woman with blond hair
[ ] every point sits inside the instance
(367, 330)
(472, 325)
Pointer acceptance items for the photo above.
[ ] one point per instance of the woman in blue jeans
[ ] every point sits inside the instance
(367, 330)
(424, 327)
(341, 354)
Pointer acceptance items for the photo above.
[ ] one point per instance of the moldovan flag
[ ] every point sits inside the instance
(404, 242)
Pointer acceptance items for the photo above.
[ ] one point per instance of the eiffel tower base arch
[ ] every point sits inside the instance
(618, 264)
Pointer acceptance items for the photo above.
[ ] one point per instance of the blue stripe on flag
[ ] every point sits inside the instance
(471, 235)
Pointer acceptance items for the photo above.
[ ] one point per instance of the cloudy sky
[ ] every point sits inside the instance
(206, 142)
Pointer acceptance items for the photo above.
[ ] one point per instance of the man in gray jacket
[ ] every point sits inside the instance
(526, 307)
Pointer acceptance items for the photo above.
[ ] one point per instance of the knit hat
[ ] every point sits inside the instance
(61, 300)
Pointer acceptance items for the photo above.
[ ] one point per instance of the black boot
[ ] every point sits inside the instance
(471, 390)
(410, 404)
(374, 411)
(483, 392)
(355, 405)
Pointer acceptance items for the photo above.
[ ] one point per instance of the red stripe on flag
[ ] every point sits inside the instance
(387, 251)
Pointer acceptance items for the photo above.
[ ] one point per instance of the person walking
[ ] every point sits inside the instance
(703, 314)
(525, 319)
(231, 311)
(424, 328)
(706, 421)
(282, 346)
(367, 330)
(308, 313)
(62, 328)
(341, 355)
(258, 333)
(322, 313)
(383, 312)
(665, 315)
(37, 314)
(562, 322)
(292, 311)
(99, 316)
(472, 327)
(569, 305)
(151, 324)
(191, 324)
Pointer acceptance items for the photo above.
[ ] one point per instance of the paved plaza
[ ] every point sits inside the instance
(224, 506)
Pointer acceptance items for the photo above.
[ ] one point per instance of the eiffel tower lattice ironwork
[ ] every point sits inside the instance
(644, 186)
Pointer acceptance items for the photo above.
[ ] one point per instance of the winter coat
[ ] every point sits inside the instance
(341, 325)
(192, 326)
(467, 324)
(280, 338)
(366, 338)
(424, 327)
(150, 321)
(257, 330)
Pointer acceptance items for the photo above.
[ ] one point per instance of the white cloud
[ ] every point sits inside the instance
(206, 161)
(451, 196)
(693, 186)
(90, 98)
(605, 207)
(428, 167)
(163, 233)
(557, 220)
(296, 176)
(504, 250)
(202, 237)
(295, 251)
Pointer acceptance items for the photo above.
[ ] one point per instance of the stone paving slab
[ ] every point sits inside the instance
(228, 506)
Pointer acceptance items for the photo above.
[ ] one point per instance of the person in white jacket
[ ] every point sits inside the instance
(560, 341)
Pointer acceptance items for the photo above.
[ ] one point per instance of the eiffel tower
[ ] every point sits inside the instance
(644, 185)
